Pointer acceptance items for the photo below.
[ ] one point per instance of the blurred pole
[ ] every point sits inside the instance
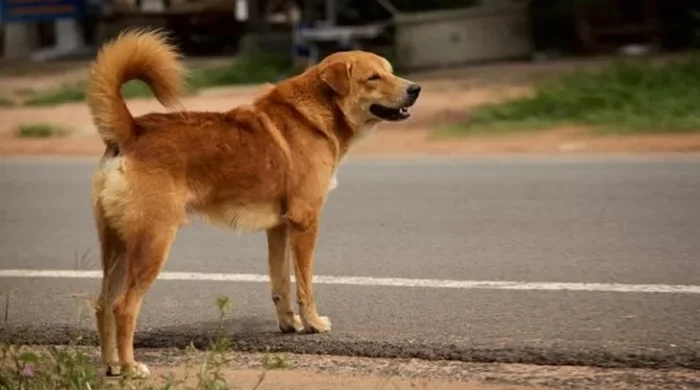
(301, 47)
(330, 12)
(307, 13)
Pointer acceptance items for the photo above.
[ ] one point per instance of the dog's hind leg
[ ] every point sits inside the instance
(113, 258)
(113, 253)
(146, 251)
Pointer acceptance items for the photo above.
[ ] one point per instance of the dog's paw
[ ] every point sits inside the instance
(292, 326)
(136, 370)
(318, 325)
(113, 369)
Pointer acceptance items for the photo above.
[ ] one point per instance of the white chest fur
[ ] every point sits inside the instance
(364, 132)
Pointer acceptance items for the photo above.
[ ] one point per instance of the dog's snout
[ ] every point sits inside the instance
(413, 89)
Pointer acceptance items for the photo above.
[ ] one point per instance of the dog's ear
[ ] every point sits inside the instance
(337, 76)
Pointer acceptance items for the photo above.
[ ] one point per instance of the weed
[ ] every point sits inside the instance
(5, 102)
(82, 261)
(273, 361)
(629, 97)
(41, 130)
(224, 306)
(55, 368)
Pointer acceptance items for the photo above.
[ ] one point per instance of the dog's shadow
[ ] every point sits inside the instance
(244, 333)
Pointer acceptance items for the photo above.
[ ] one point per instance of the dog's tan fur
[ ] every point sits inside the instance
(264, 166)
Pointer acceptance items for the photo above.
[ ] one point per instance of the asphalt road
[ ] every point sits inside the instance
(575, 220)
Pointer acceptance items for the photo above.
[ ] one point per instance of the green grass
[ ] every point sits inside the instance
(245, 70)
(64, 94)
(5, 102)
(629, 97)
(41, 130)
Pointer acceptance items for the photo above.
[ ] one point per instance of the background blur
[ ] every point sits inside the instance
(576, 68)
(416, 33)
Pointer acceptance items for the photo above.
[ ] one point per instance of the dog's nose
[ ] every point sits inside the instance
(413, 89)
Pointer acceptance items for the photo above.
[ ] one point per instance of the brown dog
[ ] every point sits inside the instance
(265, 166)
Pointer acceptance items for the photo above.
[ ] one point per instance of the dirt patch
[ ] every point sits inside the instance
(556, 141)
(300, 379)
(416, 142)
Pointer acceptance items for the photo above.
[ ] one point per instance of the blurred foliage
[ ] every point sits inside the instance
(41, 130)
(248, 69)
(630, 97)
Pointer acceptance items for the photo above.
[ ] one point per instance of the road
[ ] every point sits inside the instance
(551, 225)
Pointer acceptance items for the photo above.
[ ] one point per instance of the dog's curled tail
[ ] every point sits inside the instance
(134, 55)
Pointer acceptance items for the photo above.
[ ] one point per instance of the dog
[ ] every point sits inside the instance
(266, 166)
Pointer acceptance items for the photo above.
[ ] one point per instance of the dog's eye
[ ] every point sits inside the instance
(373, 77)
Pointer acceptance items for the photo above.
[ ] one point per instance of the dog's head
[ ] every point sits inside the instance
(365, 87)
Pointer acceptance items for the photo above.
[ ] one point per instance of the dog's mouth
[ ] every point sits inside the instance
(393, 114)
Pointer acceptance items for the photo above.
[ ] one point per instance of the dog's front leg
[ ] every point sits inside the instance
(303, 231)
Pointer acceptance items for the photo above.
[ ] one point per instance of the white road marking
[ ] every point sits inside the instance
(380, 282)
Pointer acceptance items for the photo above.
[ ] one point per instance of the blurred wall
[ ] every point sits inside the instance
(493, 30)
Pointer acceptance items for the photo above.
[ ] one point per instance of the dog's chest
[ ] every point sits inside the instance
(249, 217)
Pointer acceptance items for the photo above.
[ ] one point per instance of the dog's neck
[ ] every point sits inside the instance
(323, 111)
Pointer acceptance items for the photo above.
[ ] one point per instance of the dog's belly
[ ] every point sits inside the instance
(244, 217)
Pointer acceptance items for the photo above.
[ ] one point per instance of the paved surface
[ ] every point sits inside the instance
(621, 220)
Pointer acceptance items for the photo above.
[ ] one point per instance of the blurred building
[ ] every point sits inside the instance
(414, 33)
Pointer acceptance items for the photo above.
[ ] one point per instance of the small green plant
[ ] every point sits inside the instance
(224, 306)
(629, 97)
(209, 374)
(5, 102)
(41, 130)
(274, 361)
(56, 368)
